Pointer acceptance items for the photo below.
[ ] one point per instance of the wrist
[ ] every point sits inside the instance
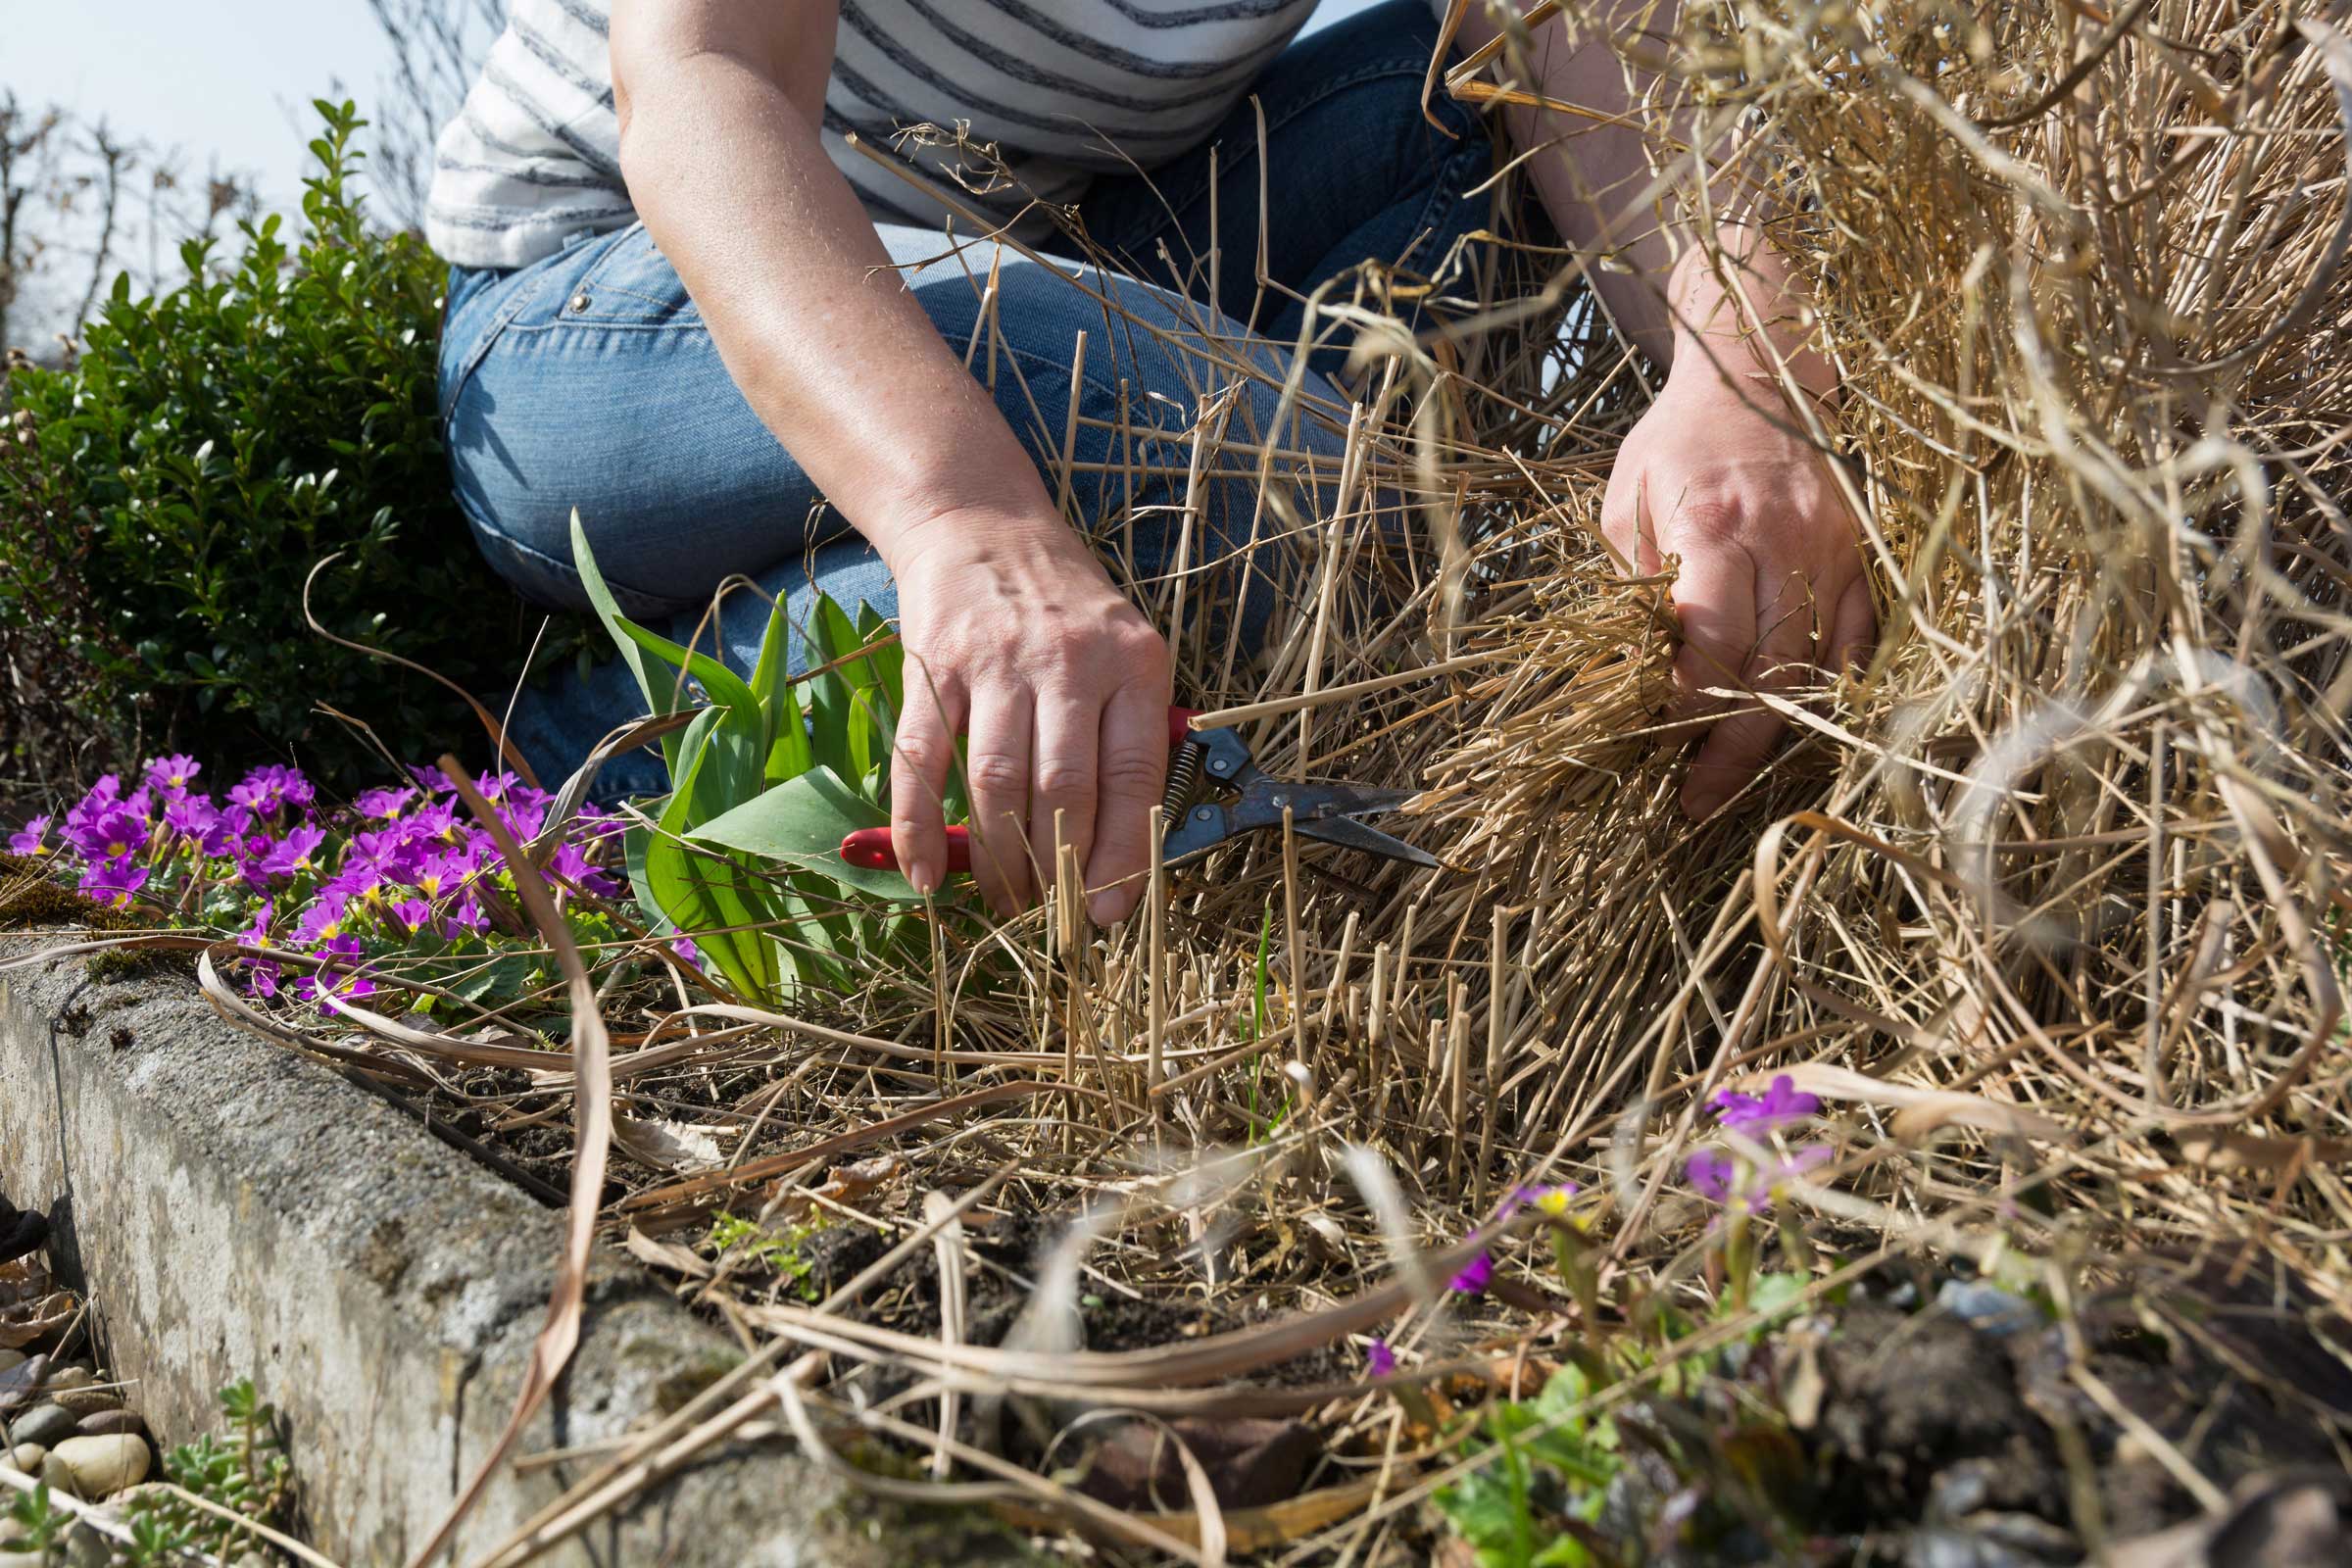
(1746, 329)
(974, 529)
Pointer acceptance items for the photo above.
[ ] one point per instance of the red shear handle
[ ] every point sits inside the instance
(870, 846)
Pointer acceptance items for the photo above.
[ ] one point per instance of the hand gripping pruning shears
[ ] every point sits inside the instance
(1209, 763)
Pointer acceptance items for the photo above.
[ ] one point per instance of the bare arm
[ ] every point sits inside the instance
(1771, 584)
(1007, 616)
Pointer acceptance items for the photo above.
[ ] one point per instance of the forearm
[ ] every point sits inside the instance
(1673, 297)
(816, 329)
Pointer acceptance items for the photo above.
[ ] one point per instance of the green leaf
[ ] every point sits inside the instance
(505, 976)
(801, 823)
(1265, 950)
(705, 894)
(770, 675)
(890, 655)
(662, 691)
(832, 694)
(635, 840)
(788, 755)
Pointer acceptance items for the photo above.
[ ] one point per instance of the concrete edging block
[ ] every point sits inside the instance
(235, 1210)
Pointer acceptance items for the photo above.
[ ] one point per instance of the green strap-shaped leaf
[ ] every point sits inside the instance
(771, 674)
(788, 754)
(832, 708)
(661, 689)
(801, 823)
(705, 895)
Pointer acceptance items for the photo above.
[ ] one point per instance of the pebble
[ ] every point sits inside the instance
(85, 1547)
(28, 1458)
(103, 1466)
(9, 1358)
(44, 1424)
(1987, 1309)
(59, 1477)
(72, 1389)
(114, 1424)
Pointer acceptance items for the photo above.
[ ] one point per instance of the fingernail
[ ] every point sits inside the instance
(924, 878)
(1103, 910)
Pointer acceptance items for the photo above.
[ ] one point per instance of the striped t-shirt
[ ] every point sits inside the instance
(1065, 89)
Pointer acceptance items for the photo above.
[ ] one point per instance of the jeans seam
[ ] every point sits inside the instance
(564, 569)
(479, 349)
(1442, 190)
(1372, 72)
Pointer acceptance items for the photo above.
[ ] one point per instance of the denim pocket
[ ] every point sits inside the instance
(630, 284)
(483, 304)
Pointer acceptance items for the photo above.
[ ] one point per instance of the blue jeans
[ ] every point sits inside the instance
(588, 379)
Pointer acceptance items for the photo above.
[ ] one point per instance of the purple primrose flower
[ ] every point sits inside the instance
(173, 774)
(571, 867)
(295, 852)
(383, 806)
(322, 922)
(191, 817)
(104, 796)
(1758, 1114)
(112, 882)
(1473, 1277)
(1721, 1179)
(114, 833)
(30, 838)
(1380, 1360)
(334, 982)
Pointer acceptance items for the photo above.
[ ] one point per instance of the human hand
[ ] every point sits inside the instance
(1771, 587)
(1015, 635)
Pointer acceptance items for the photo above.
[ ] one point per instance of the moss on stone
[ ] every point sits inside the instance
(28, 899)
(134, 963)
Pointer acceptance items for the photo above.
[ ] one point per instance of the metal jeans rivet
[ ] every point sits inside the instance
(579, 304)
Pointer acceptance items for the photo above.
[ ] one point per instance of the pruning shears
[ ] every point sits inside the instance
(1326, 812)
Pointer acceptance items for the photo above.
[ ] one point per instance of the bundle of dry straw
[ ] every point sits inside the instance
(2069, 843)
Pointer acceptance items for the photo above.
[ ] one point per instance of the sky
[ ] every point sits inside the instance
(226, 78)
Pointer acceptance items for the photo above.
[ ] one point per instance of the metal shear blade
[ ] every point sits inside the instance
(1323, 812)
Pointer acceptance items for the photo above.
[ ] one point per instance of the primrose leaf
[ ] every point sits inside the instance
(801, 823)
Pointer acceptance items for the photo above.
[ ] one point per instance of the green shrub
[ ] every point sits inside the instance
(163, 499)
